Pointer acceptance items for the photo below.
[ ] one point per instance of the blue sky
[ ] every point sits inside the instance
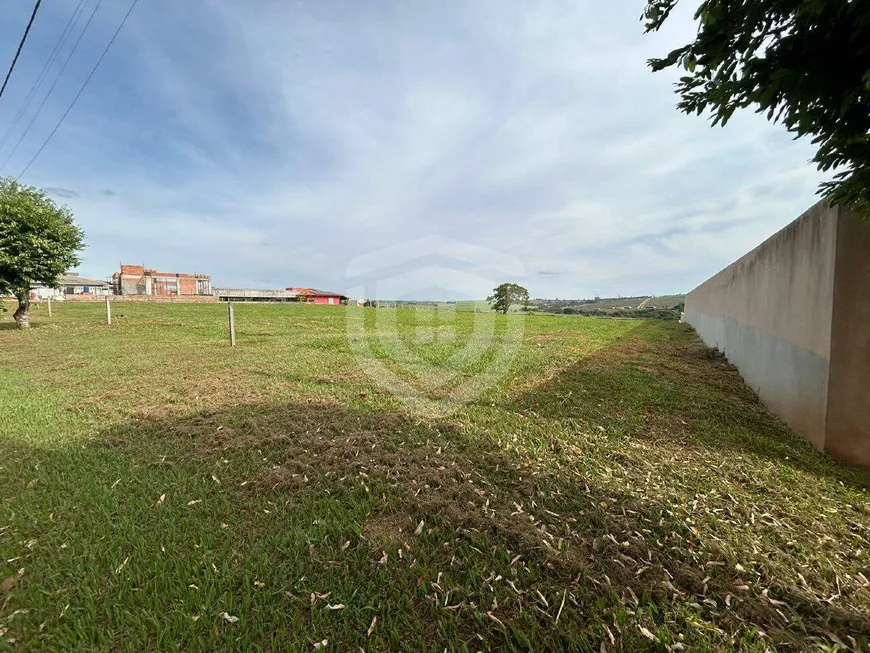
(272, 144)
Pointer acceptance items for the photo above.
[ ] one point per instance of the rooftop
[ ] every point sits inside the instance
(316, 292)
(76, 280)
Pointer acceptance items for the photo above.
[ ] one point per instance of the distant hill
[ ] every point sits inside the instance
(617, 306)
(666, 301)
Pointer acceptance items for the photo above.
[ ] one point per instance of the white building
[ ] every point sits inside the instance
(71, 284)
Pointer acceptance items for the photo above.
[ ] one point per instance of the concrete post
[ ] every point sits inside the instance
(232, 324)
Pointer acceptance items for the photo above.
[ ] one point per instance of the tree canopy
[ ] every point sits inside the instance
(805, 63)
(38, 242)
(506, 294)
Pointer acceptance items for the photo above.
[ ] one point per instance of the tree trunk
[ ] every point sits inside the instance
(22, 314)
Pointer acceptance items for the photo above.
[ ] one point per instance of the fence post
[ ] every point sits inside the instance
(49, 307)
(108, 312)
(232, 324)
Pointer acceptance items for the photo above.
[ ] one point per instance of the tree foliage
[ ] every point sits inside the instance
(507, 294)
(805, 63)
(38, 241)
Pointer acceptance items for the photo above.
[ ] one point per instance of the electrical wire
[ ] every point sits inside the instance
(81, 90)
(70, 25)
(56, 79)
(20, 46)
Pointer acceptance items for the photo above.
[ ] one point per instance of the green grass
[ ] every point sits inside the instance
(619, 487)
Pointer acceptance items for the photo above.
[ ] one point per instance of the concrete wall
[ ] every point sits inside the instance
(848, 427)
(791, 315)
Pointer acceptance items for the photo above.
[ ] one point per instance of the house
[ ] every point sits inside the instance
(315, 296)
(71, 285)
(139, 280)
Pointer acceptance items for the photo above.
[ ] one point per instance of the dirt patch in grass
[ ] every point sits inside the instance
(386, 531)
(316, 442)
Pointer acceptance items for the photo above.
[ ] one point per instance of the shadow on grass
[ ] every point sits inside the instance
(511, 553)
(666, 386)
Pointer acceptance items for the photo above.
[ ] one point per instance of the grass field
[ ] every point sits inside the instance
(619, 489)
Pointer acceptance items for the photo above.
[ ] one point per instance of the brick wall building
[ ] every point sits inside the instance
(139, 280)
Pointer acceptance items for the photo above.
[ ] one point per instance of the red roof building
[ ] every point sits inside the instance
(315, 296)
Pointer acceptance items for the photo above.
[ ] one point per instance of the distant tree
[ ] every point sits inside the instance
(506, 294)
(38, 242)
(802, 62)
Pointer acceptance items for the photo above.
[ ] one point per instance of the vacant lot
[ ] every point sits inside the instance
(618, 489)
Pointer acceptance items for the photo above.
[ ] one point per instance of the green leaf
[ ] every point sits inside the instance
(798, 62)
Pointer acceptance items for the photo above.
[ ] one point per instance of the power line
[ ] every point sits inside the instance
(70, 25)
(20, 45)
(51, 89)
(81, 90)
(67, 30)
